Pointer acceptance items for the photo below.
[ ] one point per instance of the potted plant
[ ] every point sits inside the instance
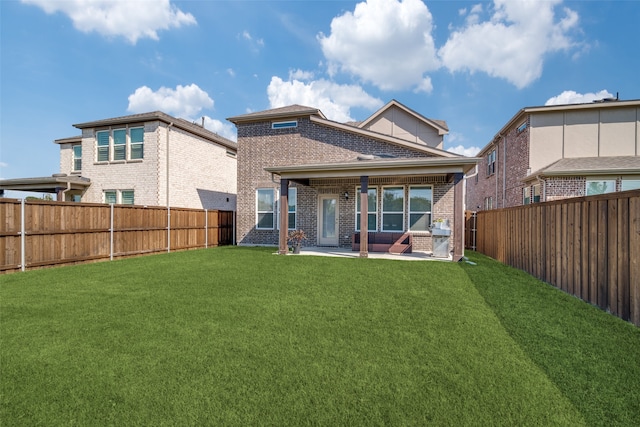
(296, 237)
(438, 223)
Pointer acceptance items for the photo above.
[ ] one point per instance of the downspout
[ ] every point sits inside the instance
(64, 191)
(167, 195)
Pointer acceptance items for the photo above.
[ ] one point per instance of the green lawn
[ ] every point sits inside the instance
(239, 336)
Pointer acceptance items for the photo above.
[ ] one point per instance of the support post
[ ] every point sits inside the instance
(284, 217)
(23, 237)
(364, 217)
(458, 217)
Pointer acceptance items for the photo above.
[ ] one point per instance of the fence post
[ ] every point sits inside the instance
(23, 239)
(168, 229)
(206, 229)
(111, 234)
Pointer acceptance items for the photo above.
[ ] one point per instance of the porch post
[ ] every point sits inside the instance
(364, 217)
(458, 217)
(284, 216)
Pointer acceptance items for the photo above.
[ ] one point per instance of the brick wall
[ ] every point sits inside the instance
(259, 146)
(201, 174)
(512, 163)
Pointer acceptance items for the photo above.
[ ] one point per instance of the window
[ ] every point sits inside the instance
(536, 193)
(110, 196)
(526, 195)
(491, 163)
(488, 203)
(120, 144)
(600, 186)
(420, 208)
(372, 209)
(392, 208)
(265, 211)
(77, 158)
(124, 197)
(630, 184)
(284, 125)
(137, 143)
(103, 146)
(522, 127)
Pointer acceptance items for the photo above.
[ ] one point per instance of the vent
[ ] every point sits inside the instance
(284, 125)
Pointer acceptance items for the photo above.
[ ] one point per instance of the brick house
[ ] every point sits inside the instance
(554, 152)
(387, 174)
(144, 159)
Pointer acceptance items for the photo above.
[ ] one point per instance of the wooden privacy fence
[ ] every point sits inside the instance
(37, 233)
(587, 246)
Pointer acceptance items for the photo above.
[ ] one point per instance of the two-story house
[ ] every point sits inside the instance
(144, 159)
(559, 151)
(387, 174)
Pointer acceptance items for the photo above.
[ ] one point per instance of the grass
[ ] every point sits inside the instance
(238, 336)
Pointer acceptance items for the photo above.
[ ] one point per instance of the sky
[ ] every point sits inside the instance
(473, 64)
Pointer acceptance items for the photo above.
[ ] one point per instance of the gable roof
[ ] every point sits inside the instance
(439, 125)
(163, 117)
(316, 116)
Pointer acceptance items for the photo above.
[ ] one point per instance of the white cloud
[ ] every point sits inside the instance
(300, 75)
(183, 101)
(571, 97)
(231, 72)
(221, 128)
(465, 151)
(385, 42)
(513, 42)
(255, 43)
(132, 20)
(334, 100)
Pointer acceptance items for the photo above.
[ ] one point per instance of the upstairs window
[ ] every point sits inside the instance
(77, 158)
(284, 125)
(120, 144)
(102, 139)
(491, 163)
(137, 143)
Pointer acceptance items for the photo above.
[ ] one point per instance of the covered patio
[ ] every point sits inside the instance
(58, 184)
(447, 170)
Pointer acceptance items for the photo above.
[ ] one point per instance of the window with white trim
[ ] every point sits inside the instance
(392, 208)
(488, 203)
(265, 208)
(136, 148)
(77, 158)
(600, 186)
(372, 209)
(120, 144)
(526, 195)
(122, 197)
(102, 140)
(420, 202)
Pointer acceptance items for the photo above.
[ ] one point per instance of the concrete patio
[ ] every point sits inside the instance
(347, 253)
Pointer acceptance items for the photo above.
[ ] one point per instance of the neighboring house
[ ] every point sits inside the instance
(560, 151)
(387, 174)
(144, 159)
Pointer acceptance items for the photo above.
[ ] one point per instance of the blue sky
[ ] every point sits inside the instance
(473, 64)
